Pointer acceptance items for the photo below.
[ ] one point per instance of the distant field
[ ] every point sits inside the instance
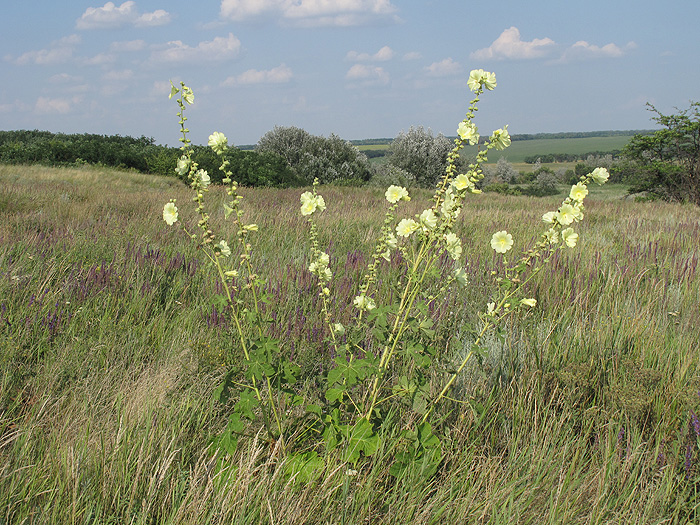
(521, 149)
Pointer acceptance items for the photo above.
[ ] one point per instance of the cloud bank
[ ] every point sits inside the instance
(216, 50)
(311, 13)
(110, 16)
(276, 75)
(509, 45)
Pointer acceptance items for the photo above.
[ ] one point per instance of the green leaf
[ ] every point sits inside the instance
(348, 372)
(334, 394)
(404, 387)
(363, 440)
(223, 391)
(246, 404)
(220, 302)
(305, 467)
(291, 371)
(314, 409)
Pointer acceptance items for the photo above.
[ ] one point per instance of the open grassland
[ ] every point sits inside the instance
(110, 350)
(520, 149)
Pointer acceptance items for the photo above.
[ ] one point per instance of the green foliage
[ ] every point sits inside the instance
(377, 378)
(248, 168)
(421, 154)
(309, 157)
(59, 149)
(503, 188)
(668, 160)
(141, 154)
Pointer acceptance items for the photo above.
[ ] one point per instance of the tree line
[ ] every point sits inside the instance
(663, 164)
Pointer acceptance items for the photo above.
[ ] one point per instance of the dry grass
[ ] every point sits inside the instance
(110, 356)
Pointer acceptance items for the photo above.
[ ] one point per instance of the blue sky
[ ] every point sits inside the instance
(356, 68)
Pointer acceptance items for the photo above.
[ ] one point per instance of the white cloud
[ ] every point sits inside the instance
(158, 17)
(64, 78)
(100, 59)
(110, 16)
(118, 75)
(311, 12)
(219, 49)
(384, 54)
(444, 68)
(509, 46)
(60, 51)
(129, 45)
(276, 75)
(582, 50)
(369, 74)
(46, 105)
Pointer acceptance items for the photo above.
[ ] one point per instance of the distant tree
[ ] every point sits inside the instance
(420, 153)
(668, 161)
(330, 159)
(387, 174)
(503, 171)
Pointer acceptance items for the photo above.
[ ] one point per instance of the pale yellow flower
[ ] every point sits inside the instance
(204, 178)
(392, 241)
(461, 182)
(479, 77)
(362, 302)
(170, 213)
(307, 196)
(428, 219)
(500, 138)
(600, 175)
(231, 273)
(324, 259)
(549, 217)
(566, 214)
(578, 214)
(461, 277)
(474, 81)
(251, 227)
(183, 165)
(326, 275)
(338, 328)
(454, 245)
(502, 241)
(406, 227)
(578, 192)
(320, 203)
(489, 80)
(218, 142)
(188, 95)
(396, 193)
(223, 248)
(469, 132)
(528, 302)
(308, 207)
(552, 236)
(569, 237)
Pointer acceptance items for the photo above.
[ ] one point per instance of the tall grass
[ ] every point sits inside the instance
(110, 351)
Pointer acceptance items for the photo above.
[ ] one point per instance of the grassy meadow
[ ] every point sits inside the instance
(110, 350)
